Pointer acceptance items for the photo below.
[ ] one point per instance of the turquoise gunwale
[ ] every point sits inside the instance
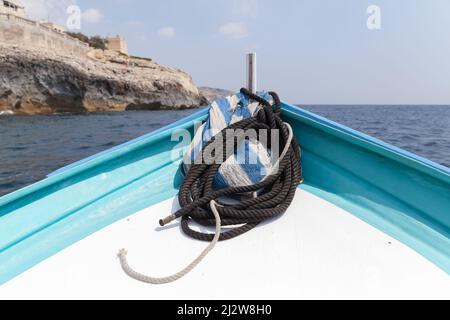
(401, 194)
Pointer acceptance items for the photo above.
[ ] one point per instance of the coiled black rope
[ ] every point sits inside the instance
(274, 194)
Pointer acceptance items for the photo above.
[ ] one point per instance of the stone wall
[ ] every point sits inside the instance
(32, 35)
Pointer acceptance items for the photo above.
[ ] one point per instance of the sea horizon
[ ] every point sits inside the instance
(30, 152)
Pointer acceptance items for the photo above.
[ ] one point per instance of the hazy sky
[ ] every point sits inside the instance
(310, 51)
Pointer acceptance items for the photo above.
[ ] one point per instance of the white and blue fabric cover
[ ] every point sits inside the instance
(241, 169)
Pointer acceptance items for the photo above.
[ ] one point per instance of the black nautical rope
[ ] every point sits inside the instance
(274, 194)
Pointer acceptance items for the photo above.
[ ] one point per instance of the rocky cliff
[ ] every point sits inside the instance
(33, 82)
(212, 94)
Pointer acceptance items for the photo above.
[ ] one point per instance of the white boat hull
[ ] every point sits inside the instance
(316, 250)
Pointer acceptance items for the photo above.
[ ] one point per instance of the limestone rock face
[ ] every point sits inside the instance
(33, 82)
(212, 94)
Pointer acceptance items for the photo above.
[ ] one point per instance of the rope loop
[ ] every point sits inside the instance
(274, 193)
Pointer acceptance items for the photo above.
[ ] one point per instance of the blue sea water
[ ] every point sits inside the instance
(31, 147)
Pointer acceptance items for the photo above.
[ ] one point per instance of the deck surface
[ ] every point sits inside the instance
(315, 250)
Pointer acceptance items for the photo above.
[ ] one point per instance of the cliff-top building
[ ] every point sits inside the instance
(118, 44)
(52, 26)
(57, 39)
(14, 7)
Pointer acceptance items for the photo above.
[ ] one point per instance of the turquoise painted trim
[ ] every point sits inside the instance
(401, 194)
(44, 218)
(360, 138)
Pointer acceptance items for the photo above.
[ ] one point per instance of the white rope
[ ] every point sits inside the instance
(140, 277)
(276, 166)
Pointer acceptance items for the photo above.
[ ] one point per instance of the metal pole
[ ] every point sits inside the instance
(251, 72)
